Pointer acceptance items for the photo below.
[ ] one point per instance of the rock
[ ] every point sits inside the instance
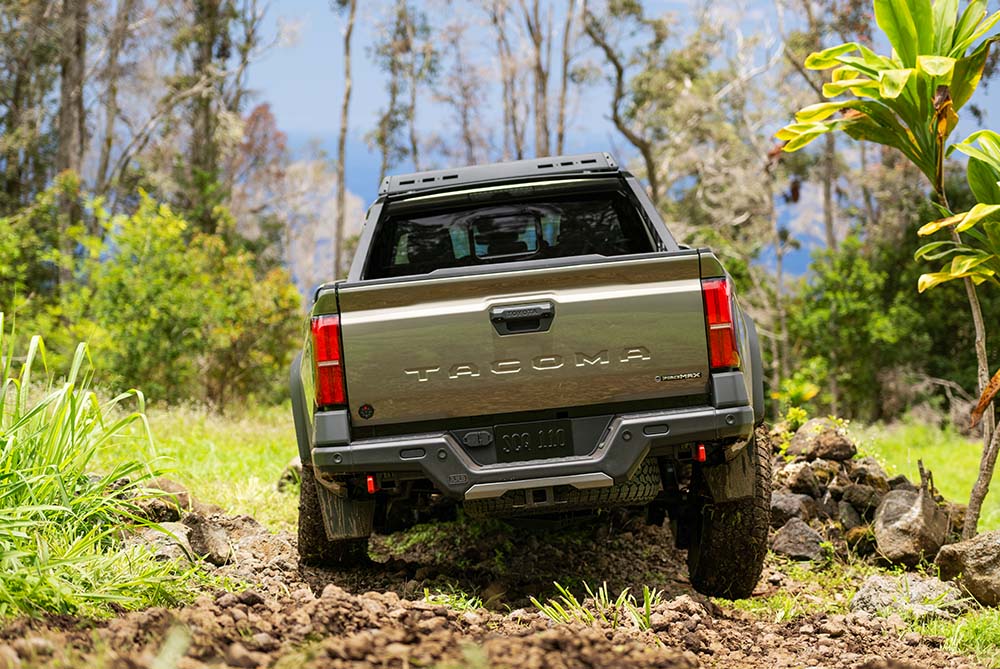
(834, 627)
(32, 647)
(787, 505)
(798, 541)
(237, 655)
(860, 539)
(909, 527)
(869, 472)
(827, 506)
(864, 498)
(909, 594)
(169, 541)
(975, 566)
(208, 539)
(162, 501)
(900, 482)
(822, 438)
(847, 515)
(825, 471)
(292, 474)
(798, 477)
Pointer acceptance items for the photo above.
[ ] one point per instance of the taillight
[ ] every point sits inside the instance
(329, 372)
(719, 318)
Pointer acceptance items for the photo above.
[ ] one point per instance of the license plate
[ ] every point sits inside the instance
(533, 441)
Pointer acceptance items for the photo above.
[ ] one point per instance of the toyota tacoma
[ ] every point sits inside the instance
(528, 339)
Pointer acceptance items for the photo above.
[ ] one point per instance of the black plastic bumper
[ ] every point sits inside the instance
(622, 448)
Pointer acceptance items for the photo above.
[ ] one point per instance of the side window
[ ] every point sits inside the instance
(401, 257)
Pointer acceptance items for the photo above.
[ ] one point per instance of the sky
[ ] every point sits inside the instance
(302, 79)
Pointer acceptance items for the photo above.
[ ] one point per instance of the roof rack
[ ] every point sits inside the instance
(479, 174)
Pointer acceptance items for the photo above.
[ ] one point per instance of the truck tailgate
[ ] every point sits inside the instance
(603, 332)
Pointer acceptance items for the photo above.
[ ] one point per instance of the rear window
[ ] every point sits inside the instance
(606, 224)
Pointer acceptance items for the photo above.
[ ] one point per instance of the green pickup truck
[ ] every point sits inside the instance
(527, 339)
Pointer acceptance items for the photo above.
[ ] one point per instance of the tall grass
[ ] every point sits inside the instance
(62, 548)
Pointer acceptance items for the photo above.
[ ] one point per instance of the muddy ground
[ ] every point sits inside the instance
(289, 616)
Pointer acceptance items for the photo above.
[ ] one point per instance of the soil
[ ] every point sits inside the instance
(377, 616)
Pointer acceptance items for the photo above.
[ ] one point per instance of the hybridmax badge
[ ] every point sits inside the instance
(678, 377)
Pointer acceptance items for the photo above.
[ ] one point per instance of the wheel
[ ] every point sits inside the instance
(728, 542)
(314, 547)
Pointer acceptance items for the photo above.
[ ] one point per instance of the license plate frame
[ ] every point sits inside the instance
(537, 440)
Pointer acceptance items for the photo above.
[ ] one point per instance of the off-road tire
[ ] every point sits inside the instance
(729, 540)
(639, 490)
(314, 547)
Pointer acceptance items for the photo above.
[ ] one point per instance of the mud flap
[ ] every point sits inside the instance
(733, 480)
(345, 518)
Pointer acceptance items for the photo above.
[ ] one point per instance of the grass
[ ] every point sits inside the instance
(976, 633)
(453, 598)
(61, 548)
(600, 606)
(233, 461)
(952, 458)
(814, 588)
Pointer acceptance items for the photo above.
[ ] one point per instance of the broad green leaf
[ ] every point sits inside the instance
(858, 87)
(945, 17)
(806, 138)
(981, 30)
(968, 72)
(923, 22)
(820, 111)
(984, 181)
(940, 224)
(928, 281)
(827, 58)
(935, 250)
(966, 263)
(962, 221)
(936, 66)
(896, 21)
(892, 82)
(842, 73)
(978, 212)
(966, 26)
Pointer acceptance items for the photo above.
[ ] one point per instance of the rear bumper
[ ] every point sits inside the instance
(626, 442)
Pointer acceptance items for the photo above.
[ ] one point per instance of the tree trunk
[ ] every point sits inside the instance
(204, 149)
(987, 462)
(567, 39)
(513, 130)
(643, 145)
(342, 146)
(829, 183)
(533, 22)
(72, 123)
(414, 81)
(112, 73)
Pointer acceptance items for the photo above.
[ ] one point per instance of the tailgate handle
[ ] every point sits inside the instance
(522, 318)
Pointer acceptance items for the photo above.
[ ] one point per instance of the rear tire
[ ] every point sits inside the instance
(315, 549)
(729, 540)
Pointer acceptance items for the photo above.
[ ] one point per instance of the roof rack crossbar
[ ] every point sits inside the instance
(481, 174)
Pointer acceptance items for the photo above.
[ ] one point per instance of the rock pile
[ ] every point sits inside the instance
(824, 495)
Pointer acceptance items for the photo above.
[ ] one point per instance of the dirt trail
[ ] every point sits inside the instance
(376, 617)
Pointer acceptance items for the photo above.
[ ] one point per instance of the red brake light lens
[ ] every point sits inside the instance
(330, 389)
(719, 319)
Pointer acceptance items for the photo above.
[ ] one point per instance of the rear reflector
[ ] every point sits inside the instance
(719, 319)
(329, 372)
(371, 484)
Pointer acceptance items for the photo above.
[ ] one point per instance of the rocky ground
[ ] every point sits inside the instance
(458, 594)
(289, 616)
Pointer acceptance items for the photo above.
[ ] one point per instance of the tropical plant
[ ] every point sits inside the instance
(909, 100)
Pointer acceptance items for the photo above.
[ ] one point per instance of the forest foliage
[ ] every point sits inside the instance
(151, 204)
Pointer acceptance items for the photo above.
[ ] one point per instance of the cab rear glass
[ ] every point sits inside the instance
(415, 243)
